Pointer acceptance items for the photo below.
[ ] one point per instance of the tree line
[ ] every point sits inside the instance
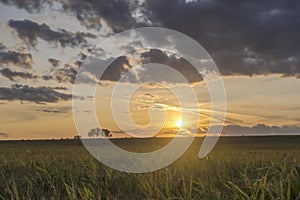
(96, 132)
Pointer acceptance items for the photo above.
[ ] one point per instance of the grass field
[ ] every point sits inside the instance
(237, 168)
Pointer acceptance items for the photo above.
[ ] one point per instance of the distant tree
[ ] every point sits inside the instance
(77, 137)
(91, 133)
(99, 132)
(94, 132)
(106, 133)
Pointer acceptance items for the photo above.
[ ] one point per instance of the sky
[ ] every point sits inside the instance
(254, 44)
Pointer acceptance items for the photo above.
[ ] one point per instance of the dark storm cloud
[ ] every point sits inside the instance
(259, 129)
(179, 64)
(11, 75)
(34, 94)
(116, 69)
(121, 65)
(54, 62)
(29, 31)
(116, 14)
(113, 72)
(243, 37)
(13, 58)
(29, 5)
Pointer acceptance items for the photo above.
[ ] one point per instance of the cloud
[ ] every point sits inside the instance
(2, 46)
(29, 5)
(179, 64)
(13, 58)
(34, 94)
(259, 129)
(51, 111)
(29, 31)
(66, 75)
(141, 73)
(60, 88)
(54, 62)
(113, 72)
(61, 110)
(118, 15)
(47, 77)
(116, 69)
(11, 75)
(4, 134)
(244, 38)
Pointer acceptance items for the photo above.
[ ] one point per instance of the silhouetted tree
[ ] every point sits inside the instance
(94, 132)
(106, 133)
(91, 133)
(77, 137)
(99, 132)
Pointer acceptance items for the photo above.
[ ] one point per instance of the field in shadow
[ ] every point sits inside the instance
(237, 168)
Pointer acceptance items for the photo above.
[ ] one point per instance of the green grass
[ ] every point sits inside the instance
(237, 168)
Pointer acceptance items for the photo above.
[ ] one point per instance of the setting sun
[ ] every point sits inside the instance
(179, 123)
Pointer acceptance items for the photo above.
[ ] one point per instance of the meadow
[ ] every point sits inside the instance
(238, 168)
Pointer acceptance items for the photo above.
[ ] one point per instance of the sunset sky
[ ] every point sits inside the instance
(255, 45)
